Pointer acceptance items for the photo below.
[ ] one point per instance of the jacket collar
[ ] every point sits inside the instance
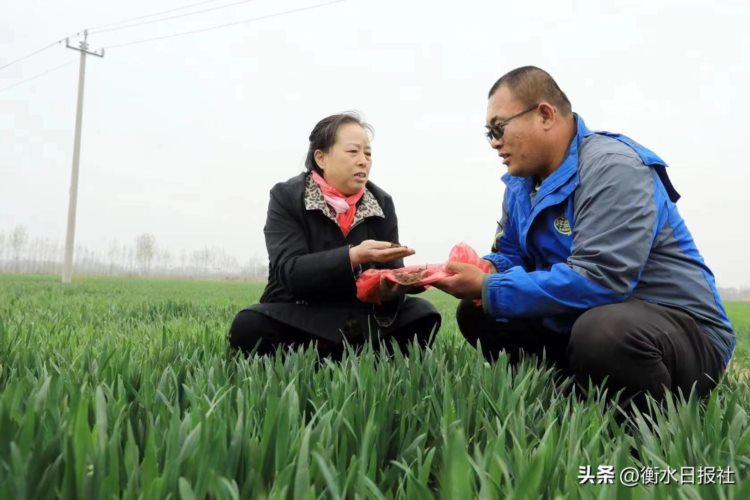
(570, 165)
(649, 158)
(368, 206)
(557, 186)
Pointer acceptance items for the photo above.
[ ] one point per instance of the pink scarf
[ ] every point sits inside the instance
(344, 206)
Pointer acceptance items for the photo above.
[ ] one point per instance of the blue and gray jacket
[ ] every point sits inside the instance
(601, 228)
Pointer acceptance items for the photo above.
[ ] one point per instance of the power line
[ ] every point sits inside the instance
(32, 54)
(138, 18)
(99, 29)
(210, 28)
(39, 75)
(210, 9)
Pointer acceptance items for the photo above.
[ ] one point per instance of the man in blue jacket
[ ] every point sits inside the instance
(593, 264)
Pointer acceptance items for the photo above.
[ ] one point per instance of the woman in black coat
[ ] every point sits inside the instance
(325, 227)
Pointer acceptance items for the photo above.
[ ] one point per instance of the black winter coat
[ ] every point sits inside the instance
(311, 285)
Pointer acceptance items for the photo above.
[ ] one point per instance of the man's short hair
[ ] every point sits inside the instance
(532, 85)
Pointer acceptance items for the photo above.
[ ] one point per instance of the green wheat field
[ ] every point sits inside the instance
(123, 388)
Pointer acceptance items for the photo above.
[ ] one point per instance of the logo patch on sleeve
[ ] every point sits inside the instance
(563, 226)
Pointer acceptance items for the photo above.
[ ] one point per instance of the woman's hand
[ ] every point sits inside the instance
(391, 291)
(377, 251)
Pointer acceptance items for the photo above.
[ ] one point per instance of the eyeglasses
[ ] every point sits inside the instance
(497, 130)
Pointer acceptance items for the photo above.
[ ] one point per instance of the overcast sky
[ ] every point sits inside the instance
(184, 137)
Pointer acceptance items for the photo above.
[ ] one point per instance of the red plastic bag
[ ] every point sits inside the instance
(368, 284)
(464, 253)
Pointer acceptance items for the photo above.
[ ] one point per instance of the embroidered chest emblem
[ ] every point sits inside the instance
(563, 225)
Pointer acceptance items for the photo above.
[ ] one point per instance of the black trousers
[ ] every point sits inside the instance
(638, 347)
(252, 331)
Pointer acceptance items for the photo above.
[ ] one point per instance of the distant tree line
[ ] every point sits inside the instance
(20, 253)
(735, 293)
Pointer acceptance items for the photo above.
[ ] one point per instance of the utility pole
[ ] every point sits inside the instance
(73, 196)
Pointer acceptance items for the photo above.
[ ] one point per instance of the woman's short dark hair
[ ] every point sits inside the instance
(323, 135)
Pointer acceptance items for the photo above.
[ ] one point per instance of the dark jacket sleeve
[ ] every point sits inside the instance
(302, 273)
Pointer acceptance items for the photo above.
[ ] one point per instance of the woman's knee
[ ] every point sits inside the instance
(427, 324)
(247, 330)
(423, 331)
(428, 328)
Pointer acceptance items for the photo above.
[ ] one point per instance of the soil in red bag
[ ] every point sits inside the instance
(368, 284)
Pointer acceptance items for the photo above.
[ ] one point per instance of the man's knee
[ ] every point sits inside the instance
(469, 316)
(598, 339)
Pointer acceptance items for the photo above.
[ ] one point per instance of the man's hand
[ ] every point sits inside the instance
(377, 251)
(466, 282)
